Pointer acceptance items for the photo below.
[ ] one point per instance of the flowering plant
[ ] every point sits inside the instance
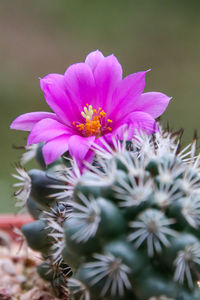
(128, 226)
(91, 102)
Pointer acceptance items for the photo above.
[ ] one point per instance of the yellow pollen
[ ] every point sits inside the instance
(80, 126)
(94, 123)
(102, 113)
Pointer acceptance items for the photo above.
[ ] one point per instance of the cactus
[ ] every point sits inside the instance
(126, 227)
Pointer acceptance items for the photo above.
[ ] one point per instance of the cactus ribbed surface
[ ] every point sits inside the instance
(127, 227)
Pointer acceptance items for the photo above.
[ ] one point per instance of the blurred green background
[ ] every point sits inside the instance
(40, 37)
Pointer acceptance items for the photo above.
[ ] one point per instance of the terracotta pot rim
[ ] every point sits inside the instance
(7, 221)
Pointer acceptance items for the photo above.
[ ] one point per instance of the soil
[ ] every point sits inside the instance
(18, 275)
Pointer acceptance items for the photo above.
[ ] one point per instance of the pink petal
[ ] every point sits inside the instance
(58, 98)
(125, 95)
(105, 139)
(80, 83)
(79, 147)
(136, 122)
(27, 121)
(89, 156)
(153, 103)
(93, 59)
(53, 149)
(108, 75)
(45, 130)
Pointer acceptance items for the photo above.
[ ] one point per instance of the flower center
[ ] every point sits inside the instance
(95, 122)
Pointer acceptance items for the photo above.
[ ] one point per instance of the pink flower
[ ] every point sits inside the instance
(91, 100)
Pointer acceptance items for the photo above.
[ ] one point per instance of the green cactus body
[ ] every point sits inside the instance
(128, 227)
(37, 235)
(41, 189)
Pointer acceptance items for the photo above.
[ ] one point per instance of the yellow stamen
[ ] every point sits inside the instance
(102, 113)
(94, 123)
(80, 126)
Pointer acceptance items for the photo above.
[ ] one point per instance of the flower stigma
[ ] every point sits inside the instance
(95, 122)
